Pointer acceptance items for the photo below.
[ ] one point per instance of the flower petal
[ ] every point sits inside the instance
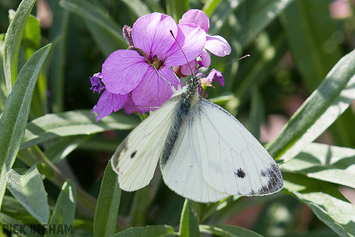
(96, 85)
(108, 103)
(129, 107)
(123, 70)
(215, 75)
(192, 40)
(206, 59)
(151, 33)
(153, 91)
(197, 17)
(186, 68)
(218, 45)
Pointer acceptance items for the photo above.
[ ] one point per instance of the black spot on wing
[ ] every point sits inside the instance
(240, 173)
(133, 154)
(275, 181)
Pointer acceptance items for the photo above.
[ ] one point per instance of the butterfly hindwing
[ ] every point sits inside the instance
(233, 161)
(136, 158)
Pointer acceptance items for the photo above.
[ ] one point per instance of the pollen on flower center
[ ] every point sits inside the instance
(156, 62)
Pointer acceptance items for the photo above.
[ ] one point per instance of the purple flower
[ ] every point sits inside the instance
(96, 85)
(215, 44)
(139, 78)
(214, 75)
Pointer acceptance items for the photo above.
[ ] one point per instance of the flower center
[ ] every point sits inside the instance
(152, 61)
(155, 62)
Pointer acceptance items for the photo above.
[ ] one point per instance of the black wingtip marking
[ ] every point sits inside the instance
(240, 173)
(275, 179)
(133, 154)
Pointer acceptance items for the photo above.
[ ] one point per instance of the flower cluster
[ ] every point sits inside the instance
(139, 79)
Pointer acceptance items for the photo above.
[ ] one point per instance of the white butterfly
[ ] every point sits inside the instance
(205, 153)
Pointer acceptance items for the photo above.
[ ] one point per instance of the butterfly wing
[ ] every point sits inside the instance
(233, 161)
(136, 158)
(182, 171)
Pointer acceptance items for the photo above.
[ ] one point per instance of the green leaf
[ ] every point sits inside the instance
(220, 14)
(256, 112)
(3, 89)
(31, 36)
(176, 8)
(210, 6)
(269, 49)
(19, 227)
(13, 40)
(227, 230)
(63, 147)
(309, 29)
(154, 230)
(314, 40)
(12, 206)
(29, 190)
(319, 111)
(72, 123)
(326, 202)
(107, 204)
(64, 210)
(92, 13)
(323, 162)
(188, 222)
(105, 40)
(138, 7)
(58, 34)
(14, 118)
(254, 16)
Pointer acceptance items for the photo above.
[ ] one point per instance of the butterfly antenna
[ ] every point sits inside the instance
(245, 56)
(192, 72)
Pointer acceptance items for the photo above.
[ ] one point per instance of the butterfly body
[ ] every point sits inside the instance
(205, 153)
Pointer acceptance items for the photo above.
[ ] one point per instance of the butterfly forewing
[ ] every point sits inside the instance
(182, 171)
(136, 158)
(233, 161)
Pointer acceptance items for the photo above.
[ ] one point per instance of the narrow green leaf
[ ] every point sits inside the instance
(72, 123)
(326, 202)
(269, 49)
(63, 147)
(220, 14)
(188, 222)
(138, 7)
(64, 211)
(3, 90)
(92, 13)
(254, 16)
(319, 111)
(31, 36)
(13, 40)
(106, 211)
(12, 206)
(154, 230)
(29, 190)
(323, 162)
(14, 119)
(227, 230)
(256, 112)
(105, 40)
(210, 6)
(309, 29)
(58, 35)
(15, 226)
